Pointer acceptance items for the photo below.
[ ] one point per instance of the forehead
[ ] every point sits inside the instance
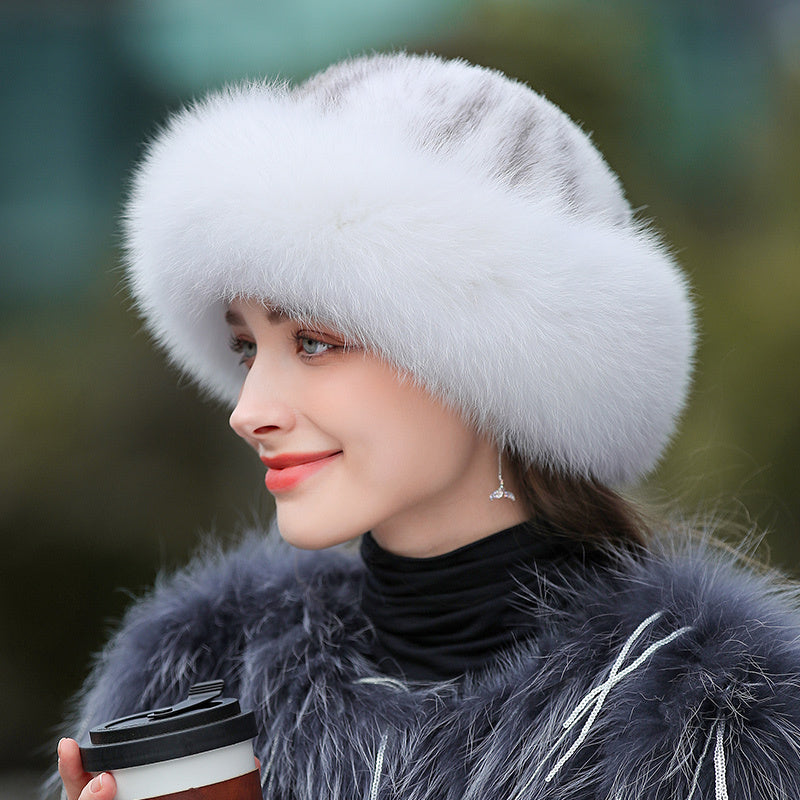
(239, 307)
(233, 316)
(245, 312)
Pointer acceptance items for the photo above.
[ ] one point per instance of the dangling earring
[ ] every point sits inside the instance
(501, 492)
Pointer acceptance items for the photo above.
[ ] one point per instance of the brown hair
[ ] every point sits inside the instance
(581, 507)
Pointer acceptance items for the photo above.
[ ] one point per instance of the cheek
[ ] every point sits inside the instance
(415, 440)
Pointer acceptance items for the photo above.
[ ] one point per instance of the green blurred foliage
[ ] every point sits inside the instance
(112, 469)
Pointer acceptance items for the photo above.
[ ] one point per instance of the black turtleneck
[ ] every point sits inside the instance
(438, 618)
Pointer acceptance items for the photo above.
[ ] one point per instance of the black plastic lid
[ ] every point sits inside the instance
(204, 721)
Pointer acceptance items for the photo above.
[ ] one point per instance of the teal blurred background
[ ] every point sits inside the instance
(110, 469)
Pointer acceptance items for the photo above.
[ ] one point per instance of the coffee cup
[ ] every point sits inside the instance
(198, 749)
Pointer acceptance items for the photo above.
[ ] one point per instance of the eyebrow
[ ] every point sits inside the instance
(273, 315)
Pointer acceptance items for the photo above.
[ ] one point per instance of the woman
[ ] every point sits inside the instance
(443, 331)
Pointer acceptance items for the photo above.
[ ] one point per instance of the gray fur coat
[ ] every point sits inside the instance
(675, 676)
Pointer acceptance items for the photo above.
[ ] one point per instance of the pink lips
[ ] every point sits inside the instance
(285, 471)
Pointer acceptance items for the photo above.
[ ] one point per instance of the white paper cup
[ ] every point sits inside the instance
(198, 749)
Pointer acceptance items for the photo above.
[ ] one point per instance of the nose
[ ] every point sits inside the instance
(261, 410)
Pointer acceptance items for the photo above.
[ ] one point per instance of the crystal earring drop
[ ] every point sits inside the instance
(501, 492)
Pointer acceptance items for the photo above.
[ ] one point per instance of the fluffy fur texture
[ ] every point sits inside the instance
(437, 213)
(710, 700)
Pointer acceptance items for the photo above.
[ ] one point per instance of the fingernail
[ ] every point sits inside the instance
(58, 749)
(96, 785)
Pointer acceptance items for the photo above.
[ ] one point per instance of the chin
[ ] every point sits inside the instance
(313, 534)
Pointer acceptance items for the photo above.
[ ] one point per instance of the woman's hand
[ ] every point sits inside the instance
(79, 784)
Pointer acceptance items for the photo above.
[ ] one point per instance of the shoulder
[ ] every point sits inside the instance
(197, 623)
(703, 676)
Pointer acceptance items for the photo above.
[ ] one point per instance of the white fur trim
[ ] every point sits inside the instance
(441, 215)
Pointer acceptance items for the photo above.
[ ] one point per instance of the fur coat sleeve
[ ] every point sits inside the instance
(671, 677)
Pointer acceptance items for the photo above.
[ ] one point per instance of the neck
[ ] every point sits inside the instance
(431, 530)
(458, 511)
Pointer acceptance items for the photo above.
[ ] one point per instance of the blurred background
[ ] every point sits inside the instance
(111, 470)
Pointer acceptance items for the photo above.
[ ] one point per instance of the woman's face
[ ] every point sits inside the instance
(351, 446)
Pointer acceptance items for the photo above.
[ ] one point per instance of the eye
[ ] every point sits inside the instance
(244, 347)
(313, 347)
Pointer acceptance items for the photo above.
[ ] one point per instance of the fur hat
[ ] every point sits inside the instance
(441, 215)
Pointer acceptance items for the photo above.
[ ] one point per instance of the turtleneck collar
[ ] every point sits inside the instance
(440, 617)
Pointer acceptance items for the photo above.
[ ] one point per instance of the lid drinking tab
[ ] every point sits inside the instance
(201, 694)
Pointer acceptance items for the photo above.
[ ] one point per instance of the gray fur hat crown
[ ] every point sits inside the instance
(441, 215)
